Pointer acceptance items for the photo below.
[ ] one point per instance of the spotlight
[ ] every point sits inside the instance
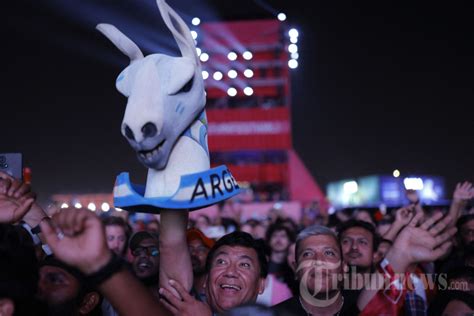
(281, 16)
(248, 73)
(105, 207)
(198, 51)
(294, 40)
(396, 173)
(196, 21)
(293, 33)
(295, 55)
(232, 74)
(78, 205)
(248, 91)
(217, 75)
(292, 63)
(92, 207)
(232, 92)
(118, 209)
(292, 48)
(205, 75)
(232, 56)
(247, 55)
(64, 205)
(204, 57)
(194, 34)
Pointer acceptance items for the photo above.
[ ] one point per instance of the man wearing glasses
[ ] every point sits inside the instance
(144, 247)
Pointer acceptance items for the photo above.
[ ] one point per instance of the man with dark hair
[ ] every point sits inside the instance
(359, 242)
(65, 290)
(279, 238)
(237, 268)
(144, 247)
(18, 272)
(117, 232)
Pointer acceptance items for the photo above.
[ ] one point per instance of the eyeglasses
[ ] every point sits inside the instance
(150, 251)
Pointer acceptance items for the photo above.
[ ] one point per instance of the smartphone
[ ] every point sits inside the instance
(12, 164)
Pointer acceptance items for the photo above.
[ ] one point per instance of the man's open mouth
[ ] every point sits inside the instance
(230, 287)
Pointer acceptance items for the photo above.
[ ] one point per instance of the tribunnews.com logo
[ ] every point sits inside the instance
(319, 291)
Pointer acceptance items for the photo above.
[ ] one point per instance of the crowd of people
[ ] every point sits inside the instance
(412, 261)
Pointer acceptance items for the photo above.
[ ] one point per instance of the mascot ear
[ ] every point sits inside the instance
(182, 71)
(122, 42)
(180, 31)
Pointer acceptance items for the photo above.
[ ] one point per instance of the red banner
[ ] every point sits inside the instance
(249, 129)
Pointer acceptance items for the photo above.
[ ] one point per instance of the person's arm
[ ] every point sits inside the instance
(77, 237)
(416, 243)
(175, 261)
(463, 193)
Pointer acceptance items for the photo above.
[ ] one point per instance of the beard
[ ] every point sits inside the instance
(151, 280)
(67, 308)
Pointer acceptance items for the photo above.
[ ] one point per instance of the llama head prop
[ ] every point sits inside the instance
(165, 94)
(166, 125)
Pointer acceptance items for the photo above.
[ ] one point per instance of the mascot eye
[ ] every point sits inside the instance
(187, 86)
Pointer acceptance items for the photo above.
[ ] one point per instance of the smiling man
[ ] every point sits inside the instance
(237, 268)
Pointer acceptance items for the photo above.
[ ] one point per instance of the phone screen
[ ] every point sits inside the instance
(12, 164)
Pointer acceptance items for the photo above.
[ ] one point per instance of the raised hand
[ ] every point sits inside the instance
(463, 192)
(12, 210)
(15, 199)
(13, 187)
(404, 215)
(412, 196)
(187, 306)
(77, 237)
(422, 242)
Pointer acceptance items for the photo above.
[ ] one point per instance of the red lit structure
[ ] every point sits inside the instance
(249, 108)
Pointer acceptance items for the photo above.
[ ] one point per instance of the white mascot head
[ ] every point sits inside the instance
(164, 121)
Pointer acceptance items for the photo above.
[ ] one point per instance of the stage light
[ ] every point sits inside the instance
(281, 16)
(217, 75)
(198, 51)
(232, 56)
(91, 206)
(295, 55)
(350, 187)
(196, 21)
(292, 48)
(205, 75)
(294, 40)
(293, 33)
(248, 91)
(396, 173)
(232, 74)
(64, 205)
(232, 92)
(105, 207)
(194, 34)
(118, 209)
(204, 57)
(292, 63)
(413, 183)
(247, 55)
(248, 73)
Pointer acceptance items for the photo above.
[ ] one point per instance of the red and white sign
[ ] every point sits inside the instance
(249, 129)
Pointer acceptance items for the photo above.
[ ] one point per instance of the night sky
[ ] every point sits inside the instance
(380, 86)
